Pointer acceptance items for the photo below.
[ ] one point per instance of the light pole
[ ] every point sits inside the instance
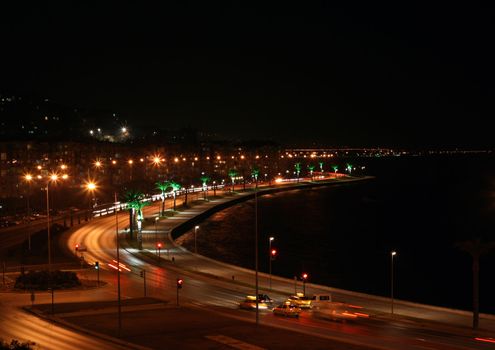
(195, 236)
(304, 278)
(29, 178)
(256, 252)
(156, 232)
(91, 187)
(270, 259)
(118, 264)
(392, 254)
(52, 178)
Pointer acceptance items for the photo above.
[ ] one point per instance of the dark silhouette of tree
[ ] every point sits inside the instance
(476, 248)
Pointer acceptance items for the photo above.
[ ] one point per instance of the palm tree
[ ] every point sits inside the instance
(311, 168)
(321, 167)
(232, 175)
(131, 197)
(348, 167)
(205, 179)
(138, 206)
(175, 187)
(298, 170)
(335, 168)
(476, 248)
(163, 187)
(255, 173)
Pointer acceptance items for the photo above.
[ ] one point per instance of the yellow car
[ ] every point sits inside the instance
(287, 309)
(300, 300)
(250, 303)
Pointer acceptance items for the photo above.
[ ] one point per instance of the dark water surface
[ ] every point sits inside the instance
(342, 235)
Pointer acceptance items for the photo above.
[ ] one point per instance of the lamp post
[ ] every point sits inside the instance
(256, 252)
(29, 178)
(156, 232)
(270, 259)
(118, 264)
(91, 187)
(53, 178)
(392, 254)
(195, 236)
(304, 278)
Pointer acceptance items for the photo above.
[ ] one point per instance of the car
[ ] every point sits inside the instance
(287, 309)
(337, 311)
(304, 302)
(250, 303)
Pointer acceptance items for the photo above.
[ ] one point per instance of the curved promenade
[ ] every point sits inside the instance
(171, 228)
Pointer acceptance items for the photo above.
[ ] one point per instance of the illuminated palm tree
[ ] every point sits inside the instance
(335, 168)
(321, 167)
(138, 206)
(175, 187)
(163, 187)
(311, 168)
(476, 248)
(348, 167)
(205, 179)
(298, 170)
(255, 173)
(232, 175)
(131, 197)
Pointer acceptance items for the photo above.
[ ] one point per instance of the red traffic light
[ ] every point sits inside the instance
(305, 276)
(77, 246)
(273, 252)
(159, 245)
(180, 281)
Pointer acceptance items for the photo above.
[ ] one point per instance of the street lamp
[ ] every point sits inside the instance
(392, 254)
(53, 178)
(91, 187)
(270, 240)
(118, 264)
(29, 178)
(156, 232)
(304, 278)
(195, 235)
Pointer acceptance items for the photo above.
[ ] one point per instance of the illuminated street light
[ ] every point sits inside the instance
(29, 178)
(270, 240)
(196, 228)
(53, 178)
(392, 254)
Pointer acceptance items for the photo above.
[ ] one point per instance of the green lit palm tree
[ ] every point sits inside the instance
(232, 175)
(131, 197)
(476, 248)
(163, 187)
(255, 172)
(205, 179)
(175, 187)
(138, 206)
(311, 168)
(297, 166)
(348, 167)
(321, 167)
(335, 168)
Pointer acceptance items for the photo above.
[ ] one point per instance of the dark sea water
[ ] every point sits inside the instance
(342, 236)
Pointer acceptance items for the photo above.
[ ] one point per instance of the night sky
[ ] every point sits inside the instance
(408, 74)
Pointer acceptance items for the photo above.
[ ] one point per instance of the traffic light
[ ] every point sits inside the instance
(304, 277)
(159, 245)
(179, 283)
(77, 247)
(273, 254)
(97, 265)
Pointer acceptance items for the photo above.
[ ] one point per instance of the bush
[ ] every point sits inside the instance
(16, 345)
(43, 280)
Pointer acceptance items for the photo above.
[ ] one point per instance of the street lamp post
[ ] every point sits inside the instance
(53, 177)
(119, 309)
(29, 178)
(270, 259)
(392, 254)
(195, 237)
(256, 252)
(156, 232)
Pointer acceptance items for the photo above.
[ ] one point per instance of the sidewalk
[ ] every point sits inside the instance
(379, 307)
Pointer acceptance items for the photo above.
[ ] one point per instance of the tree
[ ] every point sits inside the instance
(298, 170)
(255, 172)
(311, 168)
(175, 187)
(321, 167)
(335, 168)
(205, 179)
(232, 175)
(163, 187)
(130, 197)
(476, 248)
(137, 205)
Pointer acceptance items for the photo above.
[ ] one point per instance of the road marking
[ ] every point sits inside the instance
(234, 343)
